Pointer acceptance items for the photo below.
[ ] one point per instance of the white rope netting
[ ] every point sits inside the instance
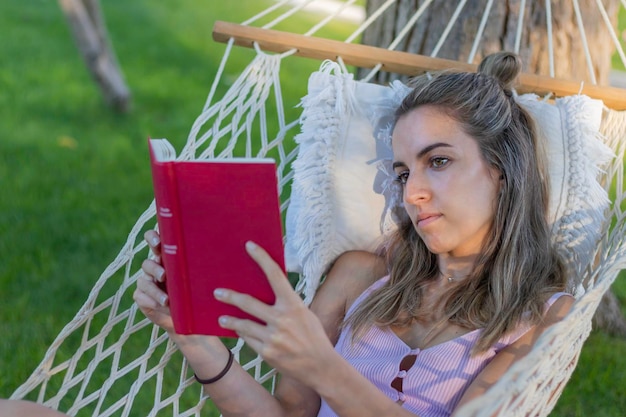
(110, 360)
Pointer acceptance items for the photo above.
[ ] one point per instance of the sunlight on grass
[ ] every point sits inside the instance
(75, 175)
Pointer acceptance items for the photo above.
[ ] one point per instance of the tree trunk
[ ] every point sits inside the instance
(89, 30)
(500, 34)
(570, 60)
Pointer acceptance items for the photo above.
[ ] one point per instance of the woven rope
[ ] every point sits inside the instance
(110, 360)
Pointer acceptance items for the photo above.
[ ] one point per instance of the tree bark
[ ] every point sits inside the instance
(500, 34)
(89, 30)
(570, 60)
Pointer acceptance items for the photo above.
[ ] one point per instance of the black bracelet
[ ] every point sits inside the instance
(219, 376)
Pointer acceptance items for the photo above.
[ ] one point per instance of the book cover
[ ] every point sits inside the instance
(206, 211)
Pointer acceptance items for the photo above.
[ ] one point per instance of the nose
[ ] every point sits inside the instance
(416, 189)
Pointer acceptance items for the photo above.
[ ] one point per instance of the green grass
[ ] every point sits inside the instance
(74, 175)
(597, 386)
(621, 34)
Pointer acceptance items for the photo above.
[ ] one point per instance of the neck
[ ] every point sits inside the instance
(454, 269)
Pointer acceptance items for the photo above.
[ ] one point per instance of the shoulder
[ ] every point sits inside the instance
(355, 271)
(351, 274)
(557, 307)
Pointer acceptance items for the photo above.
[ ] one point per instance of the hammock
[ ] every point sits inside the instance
(110, 360)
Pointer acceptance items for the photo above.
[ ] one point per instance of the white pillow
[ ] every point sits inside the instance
(333, 206)
(343, 190)
(575, 155)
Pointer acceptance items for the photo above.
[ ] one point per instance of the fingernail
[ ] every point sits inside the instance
(223, 320)
(250, 245)
(219, 293)
(160, 274)
(163, 300)
(155, 241)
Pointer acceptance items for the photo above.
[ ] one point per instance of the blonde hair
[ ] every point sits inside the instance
(517, 268)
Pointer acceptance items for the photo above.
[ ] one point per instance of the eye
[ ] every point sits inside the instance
(402, 177)
(439, 161)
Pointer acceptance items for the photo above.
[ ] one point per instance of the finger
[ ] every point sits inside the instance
(245, 303)
(144, 301)
(156, 313)
(146, 285)
(154, 270)
(274, 273)
(244, 328)
(255, 344)
(154, 241)
(255, 335)
(267, 343)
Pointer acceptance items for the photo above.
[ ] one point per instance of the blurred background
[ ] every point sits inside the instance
(74, 172)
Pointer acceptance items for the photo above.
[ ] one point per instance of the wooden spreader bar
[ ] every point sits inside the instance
(398, 62)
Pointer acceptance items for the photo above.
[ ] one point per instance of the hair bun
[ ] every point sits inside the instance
(503, 66)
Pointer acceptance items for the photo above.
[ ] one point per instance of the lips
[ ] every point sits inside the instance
(425, 219)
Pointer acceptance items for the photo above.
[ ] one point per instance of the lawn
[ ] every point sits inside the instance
(74, 175)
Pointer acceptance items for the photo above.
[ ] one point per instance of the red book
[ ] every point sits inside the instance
(206, 211)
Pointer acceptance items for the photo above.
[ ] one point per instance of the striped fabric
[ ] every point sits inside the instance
(433, 386)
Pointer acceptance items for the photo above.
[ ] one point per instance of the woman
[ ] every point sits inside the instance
(466, 284)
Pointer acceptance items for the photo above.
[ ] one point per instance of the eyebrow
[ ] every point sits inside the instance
(424, 151)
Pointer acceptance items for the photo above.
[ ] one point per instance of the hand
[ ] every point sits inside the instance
(206, 354)
(293, 340)
(149, 296)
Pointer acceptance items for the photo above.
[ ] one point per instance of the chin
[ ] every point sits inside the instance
(436, 249)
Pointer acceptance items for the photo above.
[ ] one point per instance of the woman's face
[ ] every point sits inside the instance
(449, 190)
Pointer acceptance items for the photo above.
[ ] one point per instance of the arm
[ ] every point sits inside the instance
(295, 342)
(290, 342)
(511, 354)
(350, 275)
(207, 355)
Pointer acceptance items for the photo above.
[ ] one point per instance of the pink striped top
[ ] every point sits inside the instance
(434, 385)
